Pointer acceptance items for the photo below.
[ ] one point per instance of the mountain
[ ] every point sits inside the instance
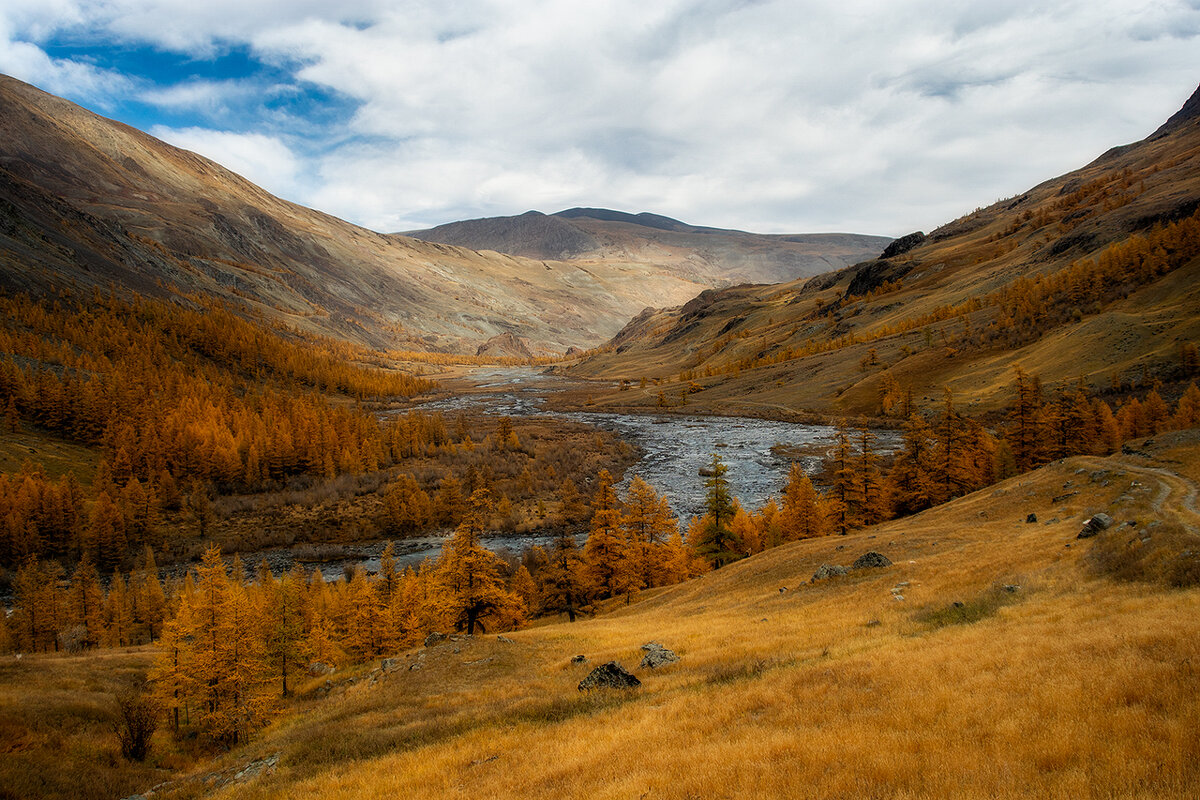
(89, 202)
(1090, 276)
(711, 256)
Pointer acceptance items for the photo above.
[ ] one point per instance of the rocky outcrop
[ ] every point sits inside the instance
(826, 571)
(609, 676)
(871, 560)
(656, 656)
(903, 244)
(505, 345)
(1093, 526)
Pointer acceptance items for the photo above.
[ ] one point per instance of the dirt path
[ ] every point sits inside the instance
(1176, 494)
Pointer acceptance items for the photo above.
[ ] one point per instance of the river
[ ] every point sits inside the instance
(673, 448)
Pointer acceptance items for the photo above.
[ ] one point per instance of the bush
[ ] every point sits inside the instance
(137, 719)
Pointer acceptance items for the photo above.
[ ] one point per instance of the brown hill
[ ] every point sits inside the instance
(1091, 275)
(710, 256)
(88, 201)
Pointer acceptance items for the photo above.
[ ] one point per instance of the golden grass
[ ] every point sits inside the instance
(57, 727)
(1074, 686)
(57, 456)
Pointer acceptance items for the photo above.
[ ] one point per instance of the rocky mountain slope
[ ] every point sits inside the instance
(89, 202)
(1093, 275)
(711, 256)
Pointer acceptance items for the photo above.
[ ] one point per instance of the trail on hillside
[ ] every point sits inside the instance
(1181, 490)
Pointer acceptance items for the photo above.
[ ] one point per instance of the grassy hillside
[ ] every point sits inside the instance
(90, 203)
(1071, 279)
(996, 658)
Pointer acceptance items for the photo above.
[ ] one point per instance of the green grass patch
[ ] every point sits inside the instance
(971, 610)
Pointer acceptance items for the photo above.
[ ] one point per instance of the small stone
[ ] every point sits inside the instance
(579, 659)
(505, 639)
(1030, 518)
(1012, 588)
(609, 676)
(783, 590)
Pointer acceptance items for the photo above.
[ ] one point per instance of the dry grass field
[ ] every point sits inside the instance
(996, 658)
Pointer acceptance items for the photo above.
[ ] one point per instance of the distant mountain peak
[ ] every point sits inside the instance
(645, 219)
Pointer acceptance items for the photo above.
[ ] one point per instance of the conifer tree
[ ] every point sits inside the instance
(610, 568)
(716, 541)
(469, 576)
(562, 586)
(910, 481)
(649, 524)
(803, 515)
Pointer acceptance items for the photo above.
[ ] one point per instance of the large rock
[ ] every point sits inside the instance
(1098, 522)
(609, 676)
(871, 560)
(828, 571)
(657, 656)
(435, 638)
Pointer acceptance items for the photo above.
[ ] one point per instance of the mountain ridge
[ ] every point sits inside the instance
(711, 256)
(124, 210)
(945, 310)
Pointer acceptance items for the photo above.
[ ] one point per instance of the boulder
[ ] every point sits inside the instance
(871, 560)
(828, 571)
(434, 638)
(1098, 522)
(609, 676)
(317, 669)
(657, 656)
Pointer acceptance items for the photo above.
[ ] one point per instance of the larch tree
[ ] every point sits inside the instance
(803, 515)
(469, 576)
(562, 585)
(611, 569)
(716, 541)
(649, 525)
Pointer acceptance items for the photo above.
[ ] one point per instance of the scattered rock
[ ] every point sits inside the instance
(257, 767)
(388, 664)
(317, 669)
(609, 676)
(898, 597)
(434, 638)
(1012, 588)
(840, 547)
(1031, 518)
(783, 590)
(828, 571)
(1058, 498)
(414, 665)
(505, 639)
(657, 656)
(579, 659)
(1098, 522)
(871, 560)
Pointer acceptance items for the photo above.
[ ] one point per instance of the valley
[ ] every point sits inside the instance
(289, 507)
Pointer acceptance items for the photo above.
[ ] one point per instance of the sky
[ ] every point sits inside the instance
(794, 116)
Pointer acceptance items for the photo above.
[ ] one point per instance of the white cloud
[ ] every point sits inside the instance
(780, 115)
(264, 160)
